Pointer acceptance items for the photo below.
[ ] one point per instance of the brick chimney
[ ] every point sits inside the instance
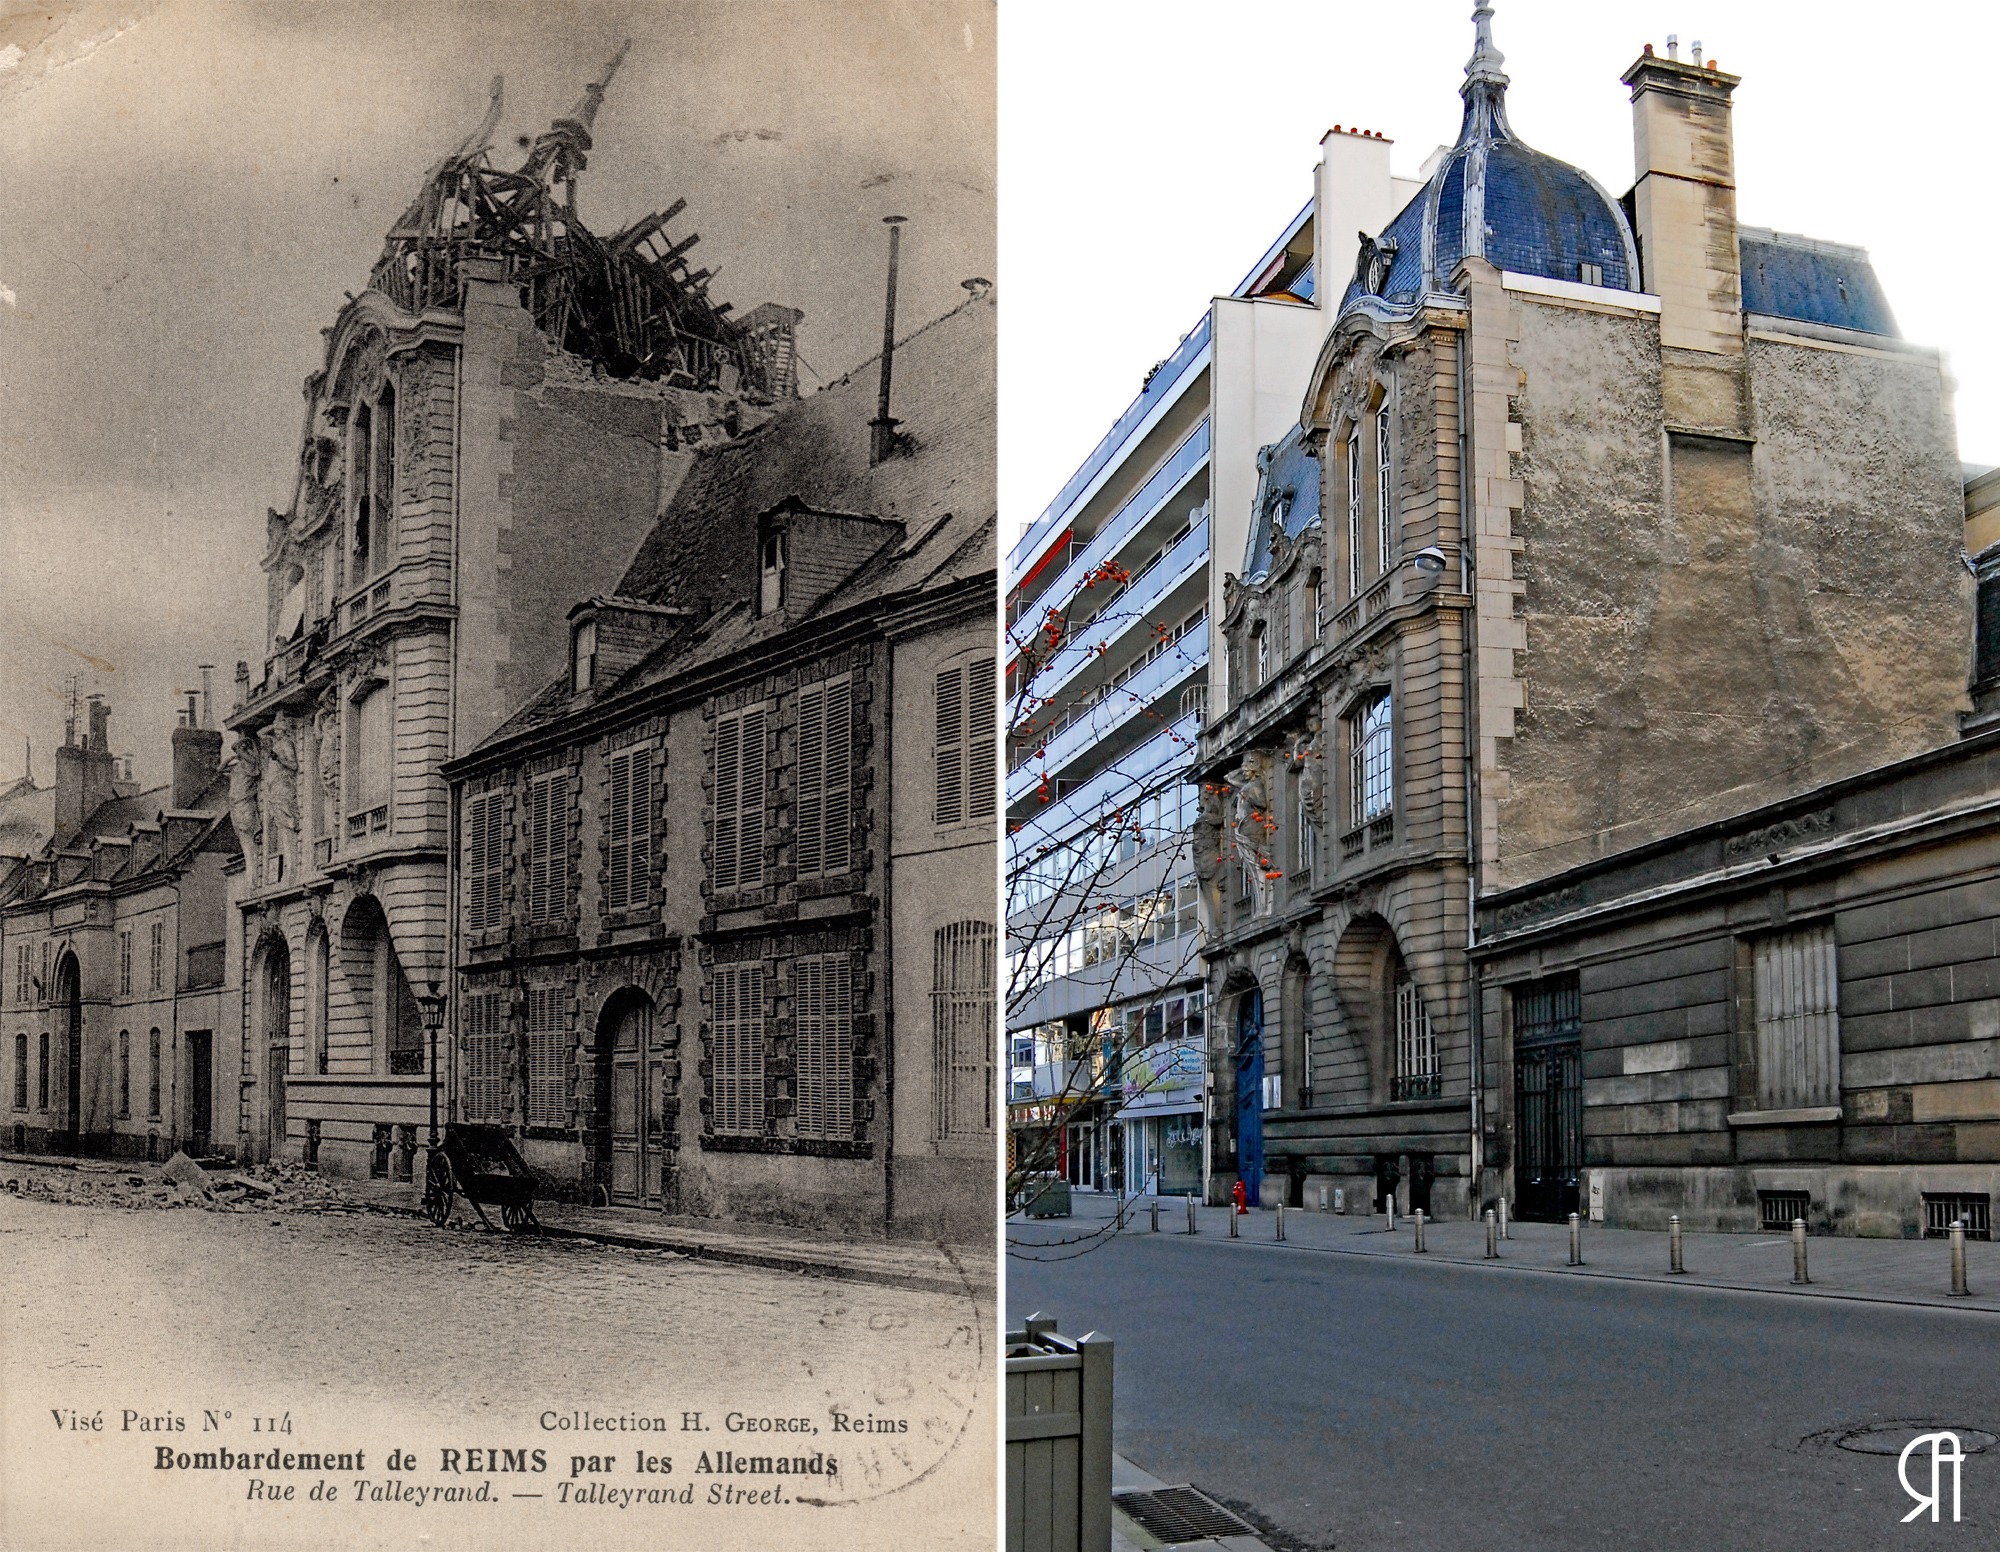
(197, 756)
(84, 775)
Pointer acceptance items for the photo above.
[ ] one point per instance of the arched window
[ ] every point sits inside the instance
(42, 1085)
(381, 990)
(153, 1076)
(124, 1074)
(359, 485)
(1416, 1075)
(1371, 762)
(963, 1027)
(20, 1072)
(316, 999)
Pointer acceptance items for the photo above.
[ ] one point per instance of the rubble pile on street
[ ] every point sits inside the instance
(180, 1182)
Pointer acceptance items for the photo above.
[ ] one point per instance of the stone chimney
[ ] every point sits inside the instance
(197, 755)
(84, 775)
(1683, 204)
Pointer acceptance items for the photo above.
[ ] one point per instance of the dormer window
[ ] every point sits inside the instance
(583, 656)
(771, 573)
(1590, 274)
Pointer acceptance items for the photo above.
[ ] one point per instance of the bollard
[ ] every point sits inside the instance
(1281, 1220)
(1492, 1237)
(1674, 1244)
(1958, 1288)
(1191, 1228)
(1232, 1224)
(1420, 1230)
(1506, 1227)
(1575, 1240)
(1389, 1212)
(1156, 1215)
(1799, 1251)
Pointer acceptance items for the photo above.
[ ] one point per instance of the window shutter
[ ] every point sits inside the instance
(485, 1060)
(494, 845)
(548, 850)
(728, 774)
(629, 829)
(617, 833)
(809, 781)
(823, 1025)
(737, 1049)
(982, 780)
(750, 802)
(950, 698)
(548, 1056)
(836, 845)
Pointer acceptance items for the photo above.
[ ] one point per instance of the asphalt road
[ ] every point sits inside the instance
(1364, 1403)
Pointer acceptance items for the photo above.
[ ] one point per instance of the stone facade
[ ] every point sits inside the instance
(1592, 562)
(725, 911)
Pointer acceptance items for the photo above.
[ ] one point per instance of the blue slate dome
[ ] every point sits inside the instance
(1496, 198)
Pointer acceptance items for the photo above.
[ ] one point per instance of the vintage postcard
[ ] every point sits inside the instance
(498, 1033)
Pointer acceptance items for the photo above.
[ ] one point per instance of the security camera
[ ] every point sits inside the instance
(1429, 561)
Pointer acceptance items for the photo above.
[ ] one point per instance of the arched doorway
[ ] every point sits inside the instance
(274, 1000)
(69, 1015)
(1250, 1091)
(637, 1144)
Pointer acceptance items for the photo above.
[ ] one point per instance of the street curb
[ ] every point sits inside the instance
(1683, 1282)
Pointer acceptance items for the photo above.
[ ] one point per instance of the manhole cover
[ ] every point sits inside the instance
(1178, 1514)
(1894, 1438)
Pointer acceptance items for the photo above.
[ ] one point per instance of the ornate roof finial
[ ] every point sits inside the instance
(1485, 88)
(585, 112)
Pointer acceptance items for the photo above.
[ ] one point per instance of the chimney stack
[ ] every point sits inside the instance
(883, 441)
(85, 774)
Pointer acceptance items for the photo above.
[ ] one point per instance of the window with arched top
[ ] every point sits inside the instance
(1354, 513)
(1371, 760)
(20, 1072)
(367, 772)
(964, 1027)
(317, 964)
(153, 1075)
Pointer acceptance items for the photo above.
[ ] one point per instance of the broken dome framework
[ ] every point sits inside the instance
(629, 303)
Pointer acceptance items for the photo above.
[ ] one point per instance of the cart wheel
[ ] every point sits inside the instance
(437, 1190)
(518, 1217)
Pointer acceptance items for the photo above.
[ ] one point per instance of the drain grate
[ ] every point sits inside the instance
(1181, 1514)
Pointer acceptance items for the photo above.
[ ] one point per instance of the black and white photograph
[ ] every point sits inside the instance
(498, 775)
(1503, 792)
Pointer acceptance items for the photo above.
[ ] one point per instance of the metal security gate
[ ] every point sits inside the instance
(1548, 1099)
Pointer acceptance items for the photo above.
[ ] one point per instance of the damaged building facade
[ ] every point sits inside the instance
(725, 927)
(1604, 519)
(500, 418)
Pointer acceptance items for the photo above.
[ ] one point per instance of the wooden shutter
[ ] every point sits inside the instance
(837, 844)
(629, 829)
(809, 783)
(728, 777)
(1798, 1019)
(736, 1039)
(950, 702)
(548, 1056)
(485, 1060)
(982, 779)
(484, 841)
(750, 802)
(548, 848)
(823, 1039)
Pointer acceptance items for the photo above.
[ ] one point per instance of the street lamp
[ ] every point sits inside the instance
(431, 1005)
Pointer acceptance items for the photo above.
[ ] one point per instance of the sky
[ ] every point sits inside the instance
(1150, 152)
(191, 187)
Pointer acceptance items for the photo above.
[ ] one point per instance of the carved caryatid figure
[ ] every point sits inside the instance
(246, 772)
(1209, 831)
(281, 779)
(326, 742)
(1312, 770)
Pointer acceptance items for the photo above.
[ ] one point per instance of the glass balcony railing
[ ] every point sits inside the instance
(1133, 606)
(1120, 707)
(1119, 784)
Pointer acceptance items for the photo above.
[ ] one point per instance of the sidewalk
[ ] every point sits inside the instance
(1890, 1271)
(925, 1267)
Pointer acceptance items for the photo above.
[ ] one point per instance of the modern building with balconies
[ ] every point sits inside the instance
(1110, 664)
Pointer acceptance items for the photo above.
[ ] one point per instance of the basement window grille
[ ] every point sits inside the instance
(1941, 1210)
(1777, 1209)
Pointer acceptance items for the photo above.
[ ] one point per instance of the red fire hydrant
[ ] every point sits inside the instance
(1241, 1197)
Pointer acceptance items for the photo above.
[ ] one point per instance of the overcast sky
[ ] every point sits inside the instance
(190, 187)
(1151, 151)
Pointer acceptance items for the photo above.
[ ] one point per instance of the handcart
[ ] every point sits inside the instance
(482, 1164)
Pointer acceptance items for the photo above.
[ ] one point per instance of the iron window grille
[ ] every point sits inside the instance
(1942, 1209)
(1777, 1209)
(962, 1027)
(1417, 1075)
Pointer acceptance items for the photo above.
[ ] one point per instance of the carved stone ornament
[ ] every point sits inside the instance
(246, 773)
(281, 775)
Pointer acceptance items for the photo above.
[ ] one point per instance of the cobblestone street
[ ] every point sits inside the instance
(374, 1333)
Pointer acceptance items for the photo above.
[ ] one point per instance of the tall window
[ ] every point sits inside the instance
(1385, 493)
(736, 1057)
(484, 1032)
(485, 861)
(1307, 831)
(124, 1073)
(153, 1075)
(1416, 1043)
(1354, 513)
(45, 969)
(20, 1072)
(823, 1036)
(317, 957)
(42, 1077)
(736, 858)
(963, 1027)
(368, 774)
(548, 1055)
(1798, 1019)
(156, 955)
(965, 700)
(1371, 763)
(548, 848)
(358, 482)
(583, 655)
(771, 573)
(823, 782)
(22, 972)
(1260, 651)
(1316, 593)
(124, 964)
(372, 441)
(628, 829)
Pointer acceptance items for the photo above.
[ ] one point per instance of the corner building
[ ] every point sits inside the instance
(1603, 517)
(499, 418)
